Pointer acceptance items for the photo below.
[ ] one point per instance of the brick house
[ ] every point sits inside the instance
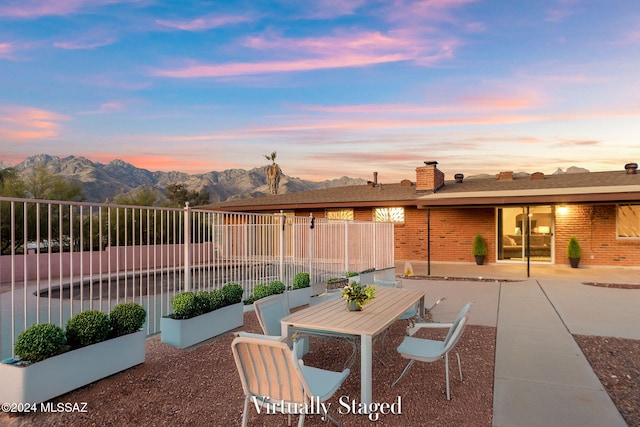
(522, 218)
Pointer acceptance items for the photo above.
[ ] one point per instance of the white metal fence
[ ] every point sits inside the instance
(60, 258)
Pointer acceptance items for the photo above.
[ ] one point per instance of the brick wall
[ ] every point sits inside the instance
(452, 234)
(595, 228)
(453, 231)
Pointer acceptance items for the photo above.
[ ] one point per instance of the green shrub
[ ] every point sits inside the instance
(276, 287)
(301, 280)
(479, 246)
(127, 318)
(216, 298)
(573, 248)
(351, 274)
(39, 342)
(232, 293)
(203, 303)
(88, 327)
(184, 305)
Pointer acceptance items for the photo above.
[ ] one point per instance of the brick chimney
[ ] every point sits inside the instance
(429, 177)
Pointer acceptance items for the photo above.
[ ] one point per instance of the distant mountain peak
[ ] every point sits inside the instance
(103, 182)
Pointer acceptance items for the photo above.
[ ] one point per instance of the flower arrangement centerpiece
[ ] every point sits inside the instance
(358, 295)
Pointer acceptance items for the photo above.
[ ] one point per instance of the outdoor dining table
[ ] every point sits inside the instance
(332, 315)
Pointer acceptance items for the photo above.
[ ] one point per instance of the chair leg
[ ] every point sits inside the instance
(446, 373)
(301, 420)
(459, 366)
(245, 413)
(406, 369)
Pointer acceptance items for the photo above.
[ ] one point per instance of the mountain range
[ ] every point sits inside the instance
(102, 182)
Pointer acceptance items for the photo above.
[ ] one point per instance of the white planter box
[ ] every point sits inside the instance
(299, 297)
(182, 333)
(60, 374)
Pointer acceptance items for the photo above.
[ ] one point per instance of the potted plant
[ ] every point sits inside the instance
(51, 361)
(200, 316)
(479, 249)
(574, 252)
(300, 292)
(357, 295)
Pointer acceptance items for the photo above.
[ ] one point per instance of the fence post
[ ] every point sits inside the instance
(310, 251)
(187, 247)
(345, 224)
(281, 257)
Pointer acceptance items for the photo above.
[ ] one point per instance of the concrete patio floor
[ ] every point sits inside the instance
(542, 378)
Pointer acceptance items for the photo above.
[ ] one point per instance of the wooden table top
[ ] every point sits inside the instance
(333, 315)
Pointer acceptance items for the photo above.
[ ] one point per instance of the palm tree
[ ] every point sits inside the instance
(273, 172)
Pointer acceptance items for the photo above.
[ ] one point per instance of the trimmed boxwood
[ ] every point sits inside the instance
(262, 291)
(232, 293)
(88, 327)
(301, 280)
(127, 318)
(189, 304)
(39, 342)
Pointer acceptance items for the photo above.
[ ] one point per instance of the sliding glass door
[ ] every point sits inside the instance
(521, 228)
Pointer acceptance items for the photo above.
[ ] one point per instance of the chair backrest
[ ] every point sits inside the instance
(270, 311)
(455, 333)
(463, 315)
(269, 370)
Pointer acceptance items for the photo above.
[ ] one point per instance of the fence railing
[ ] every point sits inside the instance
(60, 258)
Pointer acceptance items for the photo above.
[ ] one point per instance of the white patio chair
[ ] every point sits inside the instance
(275, 379)
(426, 350)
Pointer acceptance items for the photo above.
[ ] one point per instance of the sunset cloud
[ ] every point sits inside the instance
(341, 50)
(205, 22)
(37, 8)
(25, 123)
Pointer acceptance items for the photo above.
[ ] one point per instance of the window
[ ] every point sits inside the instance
(628, 221)
(340, 214)
(395, 215)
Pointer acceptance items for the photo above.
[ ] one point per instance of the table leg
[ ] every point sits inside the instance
(366, 369)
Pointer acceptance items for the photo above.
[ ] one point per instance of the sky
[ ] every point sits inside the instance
(335, 87)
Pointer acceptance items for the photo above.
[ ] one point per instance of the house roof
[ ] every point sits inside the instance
(587, 187)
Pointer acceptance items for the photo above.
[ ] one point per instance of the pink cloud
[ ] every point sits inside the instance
(243, 68)
(205, 23)
(341, 50)
(36, 8)
(24, 123)
(6, 50)
(83, 44)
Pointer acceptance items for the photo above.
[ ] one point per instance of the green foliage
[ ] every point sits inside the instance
(262, 291)
(276, 287)
(232, 293)
(44, 184)
(351, 273)
(184, 305)
(203, 303)
(88, 327)
(177, 195)
(39, 342)
(573, 248)
(361, 294)
(479, 246)
(143, 196)
(216, 298)
(301, 280)
(127, 318)
(259, 291)
(189, 304)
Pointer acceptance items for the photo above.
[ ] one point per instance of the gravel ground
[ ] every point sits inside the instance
(616, 362)
(201, 387)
